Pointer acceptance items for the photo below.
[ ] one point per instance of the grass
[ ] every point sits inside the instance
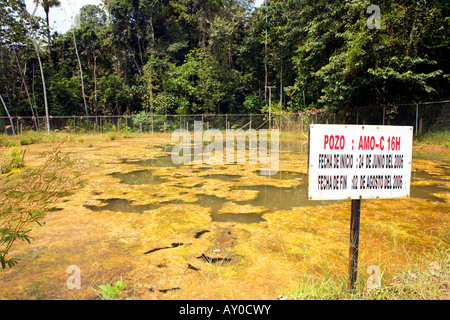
(11, 159)
(423, 278)
(434, 138)
(32, 137)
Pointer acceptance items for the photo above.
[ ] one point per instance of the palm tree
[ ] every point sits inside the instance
(46, 5)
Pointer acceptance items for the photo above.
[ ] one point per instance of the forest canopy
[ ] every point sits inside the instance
(219, 56)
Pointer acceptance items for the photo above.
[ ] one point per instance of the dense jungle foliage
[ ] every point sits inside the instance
(219, 56)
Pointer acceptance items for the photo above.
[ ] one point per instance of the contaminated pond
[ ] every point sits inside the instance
(219, 231)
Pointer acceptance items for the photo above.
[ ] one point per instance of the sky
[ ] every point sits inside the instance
(61, 18)
(258, 3)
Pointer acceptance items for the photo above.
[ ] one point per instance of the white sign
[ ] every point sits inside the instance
(359, 162)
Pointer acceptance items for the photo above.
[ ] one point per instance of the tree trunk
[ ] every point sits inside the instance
(151, 90)
(48, 38)
(95, 83)
(7, 113)
(81, 71)
(265, 69)
(151, 69)
(230, 59)
(34, 102)
(281, 87)
(265, 59)
(22, 74)
(44, 88)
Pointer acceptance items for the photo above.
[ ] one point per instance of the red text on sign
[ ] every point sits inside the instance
(334, 142)
(393, 143)
(370, 143)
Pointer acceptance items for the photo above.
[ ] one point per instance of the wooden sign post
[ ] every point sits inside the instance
(354, 243)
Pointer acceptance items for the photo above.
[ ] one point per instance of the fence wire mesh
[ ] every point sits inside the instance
(421, 116)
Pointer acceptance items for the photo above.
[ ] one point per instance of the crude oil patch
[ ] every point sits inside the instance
(223, 177)
(120, 205)
(275, 198)
(173, 245)
(161, 162)
(283, 175)
(137, 177)
(270, 197)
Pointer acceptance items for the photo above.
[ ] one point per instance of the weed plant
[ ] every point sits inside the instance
(25, 202)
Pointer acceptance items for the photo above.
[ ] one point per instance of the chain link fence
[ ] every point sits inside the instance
(157, 123)
(422, 116)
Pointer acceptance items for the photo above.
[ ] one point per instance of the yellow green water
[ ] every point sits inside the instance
(202, 231)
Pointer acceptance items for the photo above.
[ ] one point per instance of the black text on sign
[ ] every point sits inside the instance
(359, 162)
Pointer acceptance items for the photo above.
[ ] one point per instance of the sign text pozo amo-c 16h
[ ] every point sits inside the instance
(359, 162)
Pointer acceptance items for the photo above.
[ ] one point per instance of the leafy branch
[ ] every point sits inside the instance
(25, 203)
(109, 292)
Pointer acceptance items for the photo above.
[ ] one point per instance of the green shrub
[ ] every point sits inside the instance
(111, 136)
(35, 136)
(108, 126)
(147, 122)
(24, 141)
(123, 125)
(12, 159)
(109, 292)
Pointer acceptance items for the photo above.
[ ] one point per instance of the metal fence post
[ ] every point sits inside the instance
(301, 125)
(417, 117)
